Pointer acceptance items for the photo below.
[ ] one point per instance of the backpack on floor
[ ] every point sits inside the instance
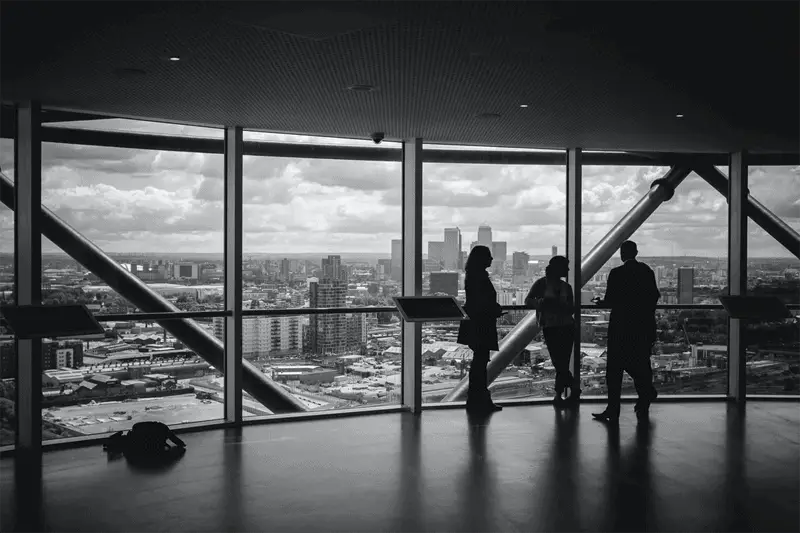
(145, 439)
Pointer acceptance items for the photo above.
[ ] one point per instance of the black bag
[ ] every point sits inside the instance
(145, 439)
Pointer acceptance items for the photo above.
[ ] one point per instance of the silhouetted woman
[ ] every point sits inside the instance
(553, 300)
(480, 331)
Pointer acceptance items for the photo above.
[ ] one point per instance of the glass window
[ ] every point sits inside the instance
(319, 233)
(133, 372)
(519, 211)
(159, 214)
(685, 243)
(326, 361)
(8, 349)
(773, 349)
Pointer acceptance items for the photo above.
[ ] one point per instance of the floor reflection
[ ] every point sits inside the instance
(736, 487)
(29, 493)
(477, 484)
(409, 506)
(630, 501)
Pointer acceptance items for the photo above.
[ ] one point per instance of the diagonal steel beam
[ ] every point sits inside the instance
(523, 333)
(660, 191)
(769, 222)
(137, 292)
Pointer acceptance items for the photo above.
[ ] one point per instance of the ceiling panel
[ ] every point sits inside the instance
(596, 75)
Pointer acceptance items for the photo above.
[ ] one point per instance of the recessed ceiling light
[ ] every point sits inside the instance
(523, 105)
(361, 88)
(174, 58)
(679, 115)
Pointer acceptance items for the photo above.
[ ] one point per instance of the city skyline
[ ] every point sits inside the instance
(128, 200)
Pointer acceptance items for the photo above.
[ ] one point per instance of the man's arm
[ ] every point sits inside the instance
(611, 291)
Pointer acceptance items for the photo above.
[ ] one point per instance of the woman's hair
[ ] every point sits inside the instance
(557, 262)
(476, 257)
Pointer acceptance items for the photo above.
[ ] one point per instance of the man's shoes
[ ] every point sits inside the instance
(605, 416)
(644, 404)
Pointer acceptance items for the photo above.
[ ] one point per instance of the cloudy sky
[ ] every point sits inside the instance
(149, 201)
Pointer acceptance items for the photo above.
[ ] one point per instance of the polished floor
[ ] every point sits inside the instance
(695, 467)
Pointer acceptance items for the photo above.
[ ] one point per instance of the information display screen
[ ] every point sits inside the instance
(31, 322)
(429, 308)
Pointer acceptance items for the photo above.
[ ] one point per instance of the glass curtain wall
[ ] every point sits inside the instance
(8, 349)
(322, 233)
(685, 243)
(773, 348)
(519, 212)
(159, 216)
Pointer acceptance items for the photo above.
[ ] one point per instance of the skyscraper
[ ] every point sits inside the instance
(332, 268)
(519, 261)
(285, 268)
(444, 282)
(686, 285)
(500, 250)
(452, 249)
(397, 260)
(555, 251)
(328, 331)
(435, 251)
(485, 236)
(384, 267)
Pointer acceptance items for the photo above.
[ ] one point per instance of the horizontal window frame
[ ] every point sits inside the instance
(175, 143)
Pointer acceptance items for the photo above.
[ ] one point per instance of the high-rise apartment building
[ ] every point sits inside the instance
(328, 331)
(505, 298)
(485, 236)
(397, 260)
(519, 297)
(686, 285)
(444, 282)
(332, 268)
(384, 268)
(554, 251)
(267, 336)
(660, 273)
(286, 268)
(55, 355)
(452, 249)
(519, 262)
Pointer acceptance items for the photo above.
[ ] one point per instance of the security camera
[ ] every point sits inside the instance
(377, 137)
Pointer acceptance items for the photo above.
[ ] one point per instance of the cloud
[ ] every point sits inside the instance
(135, 200)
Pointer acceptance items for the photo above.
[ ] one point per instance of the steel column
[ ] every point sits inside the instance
(773, 225)
(523, 333)
(412, 272)
(233, 274)
(574, 201)
(272, 395)
(28, 272)
(737, 273)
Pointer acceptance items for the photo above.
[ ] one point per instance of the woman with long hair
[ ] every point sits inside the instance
(553, 300)
(480, 331)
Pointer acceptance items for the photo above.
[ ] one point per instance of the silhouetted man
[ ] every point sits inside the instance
(632, 294)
